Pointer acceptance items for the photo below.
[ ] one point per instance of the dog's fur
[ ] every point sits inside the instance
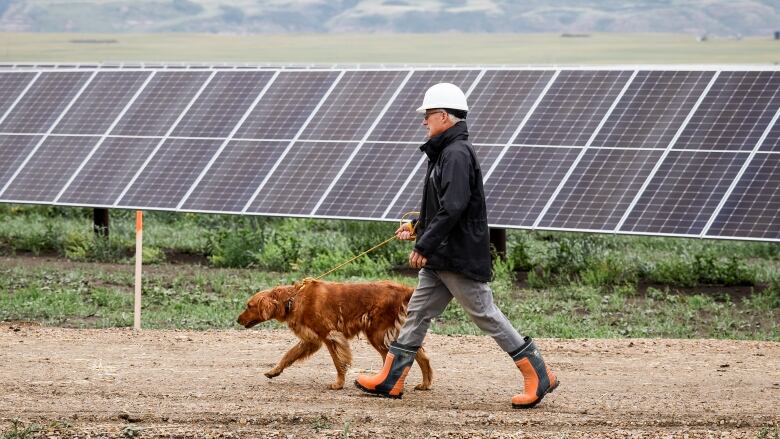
(332, 313)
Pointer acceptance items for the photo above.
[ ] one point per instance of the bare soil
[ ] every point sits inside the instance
(120, 383)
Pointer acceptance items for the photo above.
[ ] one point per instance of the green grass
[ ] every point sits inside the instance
(552, 284)
(606, 48)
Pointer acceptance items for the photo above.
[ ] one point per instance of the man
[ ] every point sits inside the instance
(452, 250)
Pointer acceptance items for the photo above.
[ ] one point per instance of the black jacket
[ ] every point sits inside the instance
(452, 231)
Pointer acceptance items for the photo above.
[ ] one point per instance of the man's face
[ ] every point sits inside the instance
(436, 121)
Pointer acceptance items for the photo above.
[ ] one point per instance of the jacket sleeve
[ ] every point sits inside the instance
(454, 194)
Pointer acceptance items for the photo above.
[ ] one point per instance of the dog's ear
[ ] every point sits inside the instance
(267, 308)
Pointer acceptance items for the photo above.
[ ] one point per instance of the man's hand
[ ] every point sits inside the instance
(417, 260)
(403, 233)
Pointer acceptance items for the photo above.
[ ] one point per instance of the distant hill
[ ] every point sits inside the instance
(717, 17)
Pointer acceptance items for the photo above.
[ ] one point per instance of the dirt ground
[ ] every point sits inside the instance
(117, 383)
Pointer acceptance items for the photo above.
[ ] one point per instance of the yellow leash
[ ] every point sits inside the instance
(406, 222)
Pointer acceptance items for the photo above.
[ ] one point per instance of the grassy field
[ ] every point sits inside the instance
(552, 284)
(385, 48)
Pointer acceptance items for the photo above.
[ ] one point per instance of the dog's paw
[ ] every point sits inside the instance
(272, 373)
(336, 386)
(422, 386)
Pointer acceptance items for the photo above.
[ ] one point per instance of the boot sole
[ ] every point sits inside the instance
(533, 404)
(377, 393)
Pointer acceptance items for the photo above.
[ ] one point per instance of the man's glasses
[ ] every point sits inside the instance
(429, 113)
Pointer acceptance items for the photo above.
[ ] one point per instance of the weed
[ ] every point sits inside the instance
(19, 431)
(345, 430)
(768, 433)
(321, 422)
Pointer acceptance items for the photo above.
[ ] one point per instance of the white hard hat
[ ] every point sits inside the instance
(444, 95)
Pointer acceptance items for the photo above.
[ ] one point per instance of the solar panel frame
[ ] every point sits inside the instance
(340, 69)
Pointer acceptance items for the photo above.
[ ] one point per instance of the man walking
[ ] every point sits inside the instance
(452, 250)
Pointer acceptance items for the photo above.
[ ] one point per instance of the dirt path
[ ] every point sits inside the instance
(174, 383)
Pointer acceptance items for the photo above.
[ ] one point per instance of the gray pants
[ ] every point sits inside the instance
(434, 292)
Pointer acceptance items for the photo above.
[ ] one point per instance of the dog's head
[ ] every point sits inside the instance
(263, 306)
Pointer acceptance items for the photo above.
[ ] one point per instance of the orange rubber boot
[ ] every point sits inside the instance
(389, 382)
(538, 379)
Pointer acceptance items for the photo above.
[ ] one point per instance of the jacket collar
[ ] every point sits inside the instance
(436, 144)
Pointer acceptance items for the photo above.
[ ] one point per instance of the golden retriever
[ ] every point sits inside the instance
(332, 313)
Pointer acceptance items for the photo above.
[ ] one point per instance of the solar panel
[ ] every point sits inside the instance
(753, 209)
(286, 105)
(44, 102)
(652, 109)
(230, 183)
(353, 106)
(735, 112)
(300, 181)
(108, 171)
(685, 192)
(665, 151)
(12, 85)
(13, 150)
(600, 189)
(96, 108)
(527, 177)
(222, 104)
(572, 108)
(371, 181)
(170, 173)
(161, 102)
(49, 168)
(501, 100)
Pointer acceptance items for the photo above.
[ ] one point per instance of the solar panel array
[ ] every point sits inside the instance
(661, 151)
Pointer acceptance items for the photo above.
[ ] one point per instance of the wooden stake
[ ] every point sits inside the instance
(139, 236)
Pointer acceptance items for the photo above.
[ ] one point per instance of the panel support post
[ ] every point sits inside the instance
(139, 235)
(498, 242)
(100, 222)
